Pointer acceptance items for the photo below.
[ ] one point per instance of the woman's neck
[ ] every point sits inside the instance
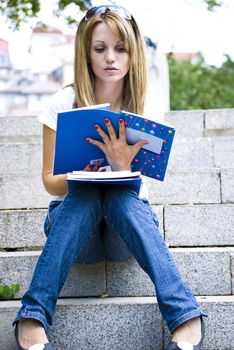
(109, 93)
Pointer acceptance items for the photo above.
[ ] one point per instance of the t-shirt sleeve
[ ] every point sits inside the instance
(58, 102)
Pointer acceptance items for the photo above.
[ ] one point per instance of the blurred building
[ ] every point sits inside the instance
(23, 92)
(6, 68)
(185, 56)
(158, 92)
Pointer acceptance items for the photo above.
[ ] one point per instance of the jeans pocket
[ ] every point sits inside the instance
(150, 211)
(46, 225)
(52, 211)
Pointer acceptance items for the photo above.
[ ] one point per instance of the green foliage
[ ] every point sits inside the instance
(19, 11)
(200, 86)
(7, 292)
(212, 4)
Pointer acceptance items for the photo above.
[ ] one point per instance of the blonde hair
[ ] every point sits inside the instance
(134, 88)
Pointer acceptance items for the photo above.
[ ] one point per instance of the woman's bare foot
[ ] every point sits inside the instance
(190, 331)
(31, 332)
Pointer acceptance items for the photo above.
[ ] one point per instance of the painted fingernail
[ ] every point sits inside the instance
(107, 120)
(121, 121)
(87, 139)
(91, 166)
(96, 127)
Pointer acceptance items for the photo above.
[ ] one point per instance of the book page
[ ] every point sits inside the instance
(154, 145)
(103, 175)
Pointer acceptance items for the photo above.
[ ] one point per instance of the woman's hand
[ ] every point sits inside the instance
(92, 167)
(118, 153)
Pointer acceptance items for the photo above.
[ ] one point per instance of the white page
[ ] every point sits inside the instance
(154, 145)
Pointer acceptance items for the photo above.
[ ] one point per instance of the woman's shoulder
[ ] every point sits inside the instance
(60, 101)
(64, 96)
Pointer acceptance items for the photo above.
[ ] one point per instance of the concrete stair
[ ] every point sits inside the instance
(112, 305)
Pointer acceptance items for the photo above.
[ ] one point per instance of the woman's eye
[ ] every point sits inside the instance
(99, 49)
(121, 49)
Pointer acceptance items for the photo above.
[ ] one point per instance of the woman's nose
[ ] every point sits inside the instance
(110, 57)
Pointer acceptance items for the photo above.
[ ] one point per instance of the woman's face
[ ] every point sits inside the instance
(108, 58)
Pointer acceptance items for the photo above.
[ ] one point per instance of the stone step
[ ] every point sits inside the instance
(193, 123)
(200, 152)
(219, 324)
(219, 122)
(22, 228)
(17, 129)
(22, 191)
(121, 324)
(179, 224)
(190, 153)
(20, 158)
(227, 185)
(202, 186)
(199, 225)
(127, 278)
(197, 123)
(186, 187)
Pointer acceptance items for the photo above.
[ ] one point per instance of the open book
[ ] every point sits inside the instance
(74, 153)
(129, 178)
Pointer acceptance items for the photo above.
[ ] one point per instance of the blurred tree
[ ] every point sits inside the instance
(200, 86)
(212, 4)
(18, 11)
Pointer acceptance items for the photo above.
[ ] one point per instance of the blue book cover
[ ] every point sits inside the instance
(152, 159)
(133, 182)
(73, 152)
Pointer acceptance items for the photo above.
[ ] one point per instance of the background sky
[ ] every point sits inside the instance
(176, 25)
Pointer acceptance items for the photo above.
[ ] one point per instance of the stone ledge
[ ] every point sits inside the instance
(227, 185)
(100, 324)
(83, 280)
(127, 278)
(201, 186)
(194, 264)
(183, 225)
(219, 119)
(186, 123)
(187, 153)
(25, 158)
(20, 126)
(186, 187)
(23, 229)
(120, 324)
(219, 324)
(23, 191)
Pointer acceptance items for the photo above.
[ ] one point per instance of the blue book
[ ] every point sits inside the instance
(73, 152)
(119, 178)
(152, 159)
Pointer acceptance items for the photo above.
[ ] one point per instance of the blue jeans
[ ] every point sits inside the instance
(74, 229)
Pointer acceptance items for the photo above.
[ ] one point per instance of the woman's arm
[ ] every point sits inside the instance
(54, 184)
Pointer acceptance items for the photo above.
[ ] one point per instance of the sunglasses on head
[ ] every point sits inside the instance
(102, 9)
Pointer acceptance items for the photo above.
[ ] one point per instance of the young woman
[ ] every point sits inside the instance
(110, 66)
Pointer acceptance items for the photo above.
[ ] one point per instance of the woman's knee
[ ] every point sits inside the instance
(86, 195)
(118, 197)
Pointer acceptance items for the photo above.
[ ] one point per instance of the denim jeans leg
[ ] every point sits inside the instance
(135, 222)
(76, 220)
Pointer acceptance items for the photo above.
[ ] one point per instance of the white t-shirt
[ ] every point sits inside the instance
(60, 101)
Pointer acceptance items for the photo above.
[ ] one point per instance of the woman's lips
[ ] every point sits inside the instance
(110, 69)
